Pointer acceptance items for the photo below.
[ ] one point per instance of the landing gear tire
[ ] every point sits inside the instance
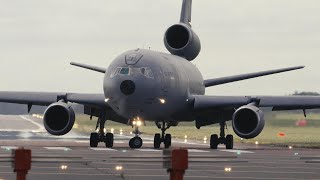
(167, 141)
(109, 140)
(214, 141)
(94, 139)
(229, 142)
(135, 143)
(157, 141)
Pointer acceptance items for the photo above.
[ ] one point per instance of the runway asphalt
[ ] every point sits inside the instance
(69, 157)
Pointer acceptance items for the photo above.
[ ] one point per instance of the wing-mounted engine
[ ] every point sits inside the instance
(180, 40)
(248, 121)
(59, 118)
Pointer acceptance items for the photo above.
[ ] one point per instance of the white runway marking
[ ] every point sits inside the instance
(148, 142)
(9, 147)
(197, 150)
(84, 141)
(149, 150)
(103, 149)
(235, 151)
(40, 126)
(58, 148)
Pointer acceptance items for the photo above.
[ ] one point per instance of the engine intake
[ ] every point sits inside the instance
(248, 121)
(59, 118)
(180, 40)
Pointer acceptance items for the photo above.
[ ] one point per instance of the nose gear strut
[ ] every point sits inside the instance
(136, 142)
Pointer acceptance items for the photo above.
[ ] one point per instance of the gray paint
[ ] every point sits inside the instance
(175, 80)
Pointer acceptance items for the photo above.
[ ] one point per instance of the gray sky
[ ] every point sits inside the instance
(38, 39)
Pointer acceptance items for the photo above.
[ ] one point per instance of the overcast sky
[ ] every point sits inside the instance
(38, 39)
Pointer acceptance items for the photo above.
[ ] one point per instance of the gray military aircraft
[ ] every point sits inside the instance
(143, 85)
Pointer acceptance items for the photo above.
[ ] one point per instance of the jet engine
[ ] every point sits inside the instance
(59, 118)
(180, 40)
(248, 121)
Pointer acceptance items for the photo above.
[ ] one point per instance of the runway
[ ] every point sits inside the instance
(70, 157)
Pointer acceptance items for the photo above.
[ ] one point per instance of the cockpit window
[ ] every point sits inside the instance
(146, 71)
(125, 71)
(150, 74)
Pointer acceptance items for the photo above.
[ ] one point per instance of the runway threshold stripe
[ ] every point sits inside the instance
(149, 150)
(197, 151)
(103, 149)
(9, 147)
(235, 151)
(58, 148)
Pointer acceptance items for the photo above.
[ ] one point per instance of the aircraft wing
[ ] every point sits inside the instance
(47, 98)
(229, 79)
(276, 102)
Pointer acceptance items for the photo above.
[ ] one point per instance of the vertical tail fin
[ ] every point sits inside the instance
(186, 12)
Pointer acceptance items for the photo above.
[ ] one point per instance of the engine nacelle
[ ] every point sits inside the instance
(59, 118)
(180, 40)
(248, 121)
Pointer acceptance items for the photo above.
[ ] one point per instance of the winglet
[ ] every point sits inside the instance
(93, 68)
(186, 12)
(229, 79)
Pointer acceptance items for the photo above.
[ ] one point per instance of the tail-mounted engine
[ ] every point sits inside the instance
(248, 121)
(59, 118)
(180, 40)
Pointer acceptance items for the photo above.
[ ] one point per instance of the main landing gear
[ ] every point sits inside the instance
(227, 140)
(136, 142)
(165, 138)
(100, 136)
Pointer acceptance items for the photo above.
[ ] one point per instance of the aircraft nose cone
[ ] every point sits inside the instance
(127, 87)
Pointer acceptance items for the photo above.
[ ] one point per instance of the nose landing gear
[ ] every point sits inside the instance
(165, 138)
(100, 136)
(136, 142)
(227, 140)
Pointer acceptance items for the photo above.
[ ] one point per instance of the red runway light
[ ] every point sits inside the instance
(281, 134)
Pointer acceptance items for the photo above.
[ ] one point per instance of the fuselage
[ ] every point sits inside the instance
(151, 85)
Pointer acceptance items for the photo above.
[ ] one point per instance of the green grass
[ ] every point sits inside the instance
(283, 122)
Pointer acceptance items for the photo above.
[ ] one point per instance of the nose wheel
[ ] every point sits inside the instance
(136, 142)
(100, 136)
(226, 140)
(165, 138)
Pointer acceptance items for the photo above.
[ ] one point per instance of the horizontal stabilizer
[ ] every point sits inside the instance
(229, 79)
(93, 68)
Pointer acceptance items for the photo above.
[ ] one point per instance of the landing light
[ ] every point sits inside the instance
(119, 168)
(256, 143)
(139, 123)
(63, 167)
(227, 169)
(106, 100)
(162, 101)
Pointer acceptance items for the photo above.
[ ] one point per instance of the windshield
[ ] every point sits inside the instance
(146, 71)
